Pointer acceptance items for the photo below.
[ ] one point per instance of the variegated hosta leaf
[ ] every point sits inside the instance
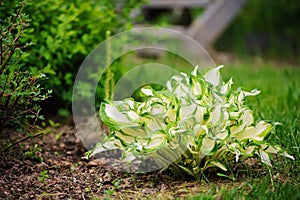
(208, 146)
(264, 157)
(213, 76)
(255, 133)
(196, 122)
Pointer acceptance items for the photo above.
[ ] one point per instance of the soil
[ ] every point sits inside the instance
(56, 170)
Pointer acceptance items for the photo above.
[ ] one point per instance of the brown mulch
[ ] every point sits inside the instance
(64, 174)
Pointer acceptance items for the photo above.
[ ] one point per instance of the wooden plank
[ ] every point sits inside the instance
(216, 17)
(177, 3)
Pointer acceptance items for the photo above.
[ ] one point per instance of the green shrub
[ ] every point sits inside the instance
(65, 32)
(20, 90)
(195, 123)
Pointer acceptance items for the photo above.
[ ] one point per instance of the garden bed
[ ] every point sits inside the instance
(64, 174)
(54, 169)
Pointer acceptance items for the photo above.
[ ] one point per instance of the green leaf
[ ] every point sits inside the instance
(185, 169)
(216, 164)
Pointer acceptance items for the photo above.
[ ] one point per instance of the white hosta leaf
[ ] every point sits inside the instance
(155, 142)
(195, 71)
(249, 151)
(133, 116)
(247, 118)
(252, 93)
(264, 157)
(213, 76)
(220, 99)
(125, 139)
(196, 87)
(157, 109)
(213, 163)
(233, 148)
(130, 103)
(208, 146)
(205, 129)
(191, 144)
(127, 104)
(285, 154)
(226, 88)
(234, 115)
(134, 132)
(181, 91)
(108, 145)
(187, 111)
(197, 130)
(244, 94)
(216, 115)
(276, 150)
(171, 116)
(177, 78)
(255, 133)
(115, 115)
(199, 114)
(173, 82)
(218, 164)
(222, 135)
(169, 86)
(237, 155)
(154, 124)
(237, 129)
(147, 91)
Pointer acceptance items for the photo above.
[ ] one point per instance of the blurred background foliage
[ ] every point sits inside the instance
(64, 32)
(265, 28)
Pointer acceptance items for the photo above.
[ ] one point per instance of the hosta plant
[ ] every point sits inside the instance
(195, 123)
